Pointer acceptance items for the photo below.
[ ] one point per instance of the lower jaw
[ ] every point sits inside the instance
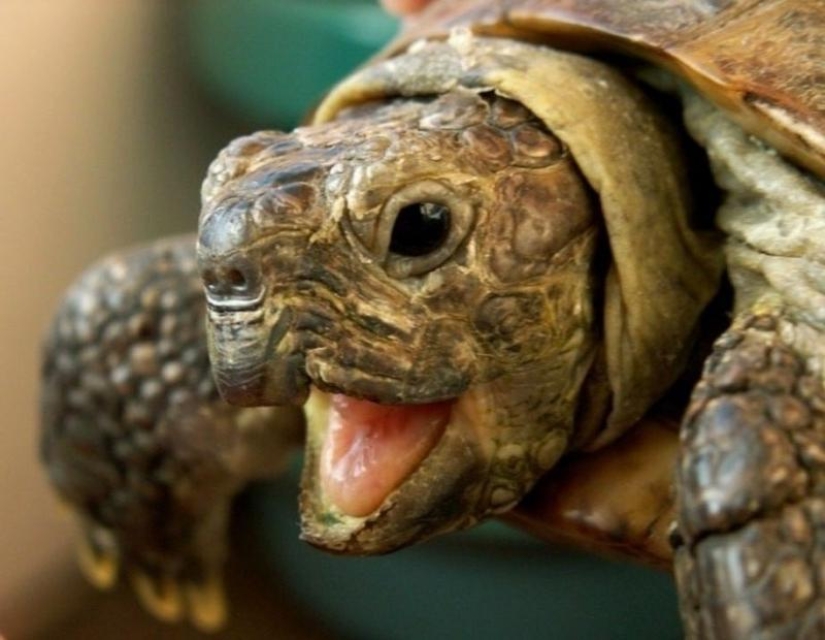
(441, 493)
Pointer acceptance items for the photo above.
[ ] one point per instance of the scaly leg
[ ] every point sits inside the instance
(750, 556)
(136, 439)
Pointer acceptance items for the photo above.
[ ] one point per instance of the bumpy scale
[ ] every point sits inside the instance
(137, 439)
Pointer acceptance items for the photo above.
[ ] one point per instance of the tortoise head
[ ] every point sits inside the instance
(424, 270)
(428, 269)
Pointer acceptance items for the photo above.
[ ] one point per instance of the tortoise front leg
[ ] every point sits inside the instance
(750, 557)
(136, 439)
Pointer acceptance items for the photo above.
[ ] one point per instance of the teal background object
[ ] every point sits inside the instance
(269, 61)
(489, 583)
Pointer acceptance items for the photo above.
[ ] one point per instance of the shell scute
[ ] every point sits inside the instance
(759, 60)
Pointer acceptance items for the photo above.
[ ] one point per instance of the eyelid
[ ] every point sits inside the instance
(462, 214)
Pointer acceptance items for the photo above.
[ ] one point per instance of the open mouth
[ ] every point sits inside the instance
(370, 449)
(367, 459)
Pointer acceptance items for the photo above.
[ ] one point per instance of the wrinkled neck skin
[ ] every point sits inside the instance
(331, 281)
(774, 220)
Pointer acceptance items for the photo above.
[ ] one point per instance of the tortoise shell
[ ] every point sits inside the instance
(759, 60)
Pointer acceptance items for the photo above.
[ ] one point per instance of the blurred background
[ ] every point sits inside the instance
(110, 113)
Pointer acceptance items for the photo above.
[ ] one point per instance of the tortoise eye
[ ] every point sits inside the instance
(420, 228)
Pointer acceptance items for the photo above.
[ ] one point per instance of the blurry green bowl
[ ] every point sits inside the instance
(269, 61)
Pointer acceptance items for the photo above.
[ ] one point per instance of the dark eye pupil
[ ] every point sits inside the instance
(419, 229)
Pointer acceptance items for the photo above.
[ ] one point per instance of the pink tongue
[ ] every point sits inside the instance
(370, 449)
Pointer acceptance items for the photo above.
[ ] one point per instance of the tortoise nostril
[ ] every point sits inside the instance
(237, 280)
(230, 281)
(209, 278)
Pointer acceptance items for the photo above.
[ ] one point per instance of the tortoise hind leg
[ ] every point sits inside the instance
(750, 549)
(136, 439)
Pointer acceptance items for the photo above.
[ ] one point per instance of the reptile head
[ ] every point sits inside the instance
(430, 267)
(420, 273)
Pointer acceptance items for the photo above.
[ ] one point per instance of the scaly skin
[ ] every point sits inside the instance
(136, 438)
(514, 313)
(750, 486)
(752, 480)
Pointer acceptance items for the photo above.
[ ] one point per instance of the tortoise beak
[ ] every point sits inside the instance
(247, 371)
(236, 351)
(244, 338)
(251, 362)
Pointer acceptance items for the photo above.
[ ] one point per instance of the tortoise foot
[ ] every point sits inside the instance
(750, 545)
(186, 585)
(137, 440)
(173, 599)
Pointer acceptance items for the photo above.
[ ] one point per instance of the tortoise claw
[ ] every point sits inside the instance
(162, 596)
(207, 603)
(97, 556)
(171, 599)
(160, 589)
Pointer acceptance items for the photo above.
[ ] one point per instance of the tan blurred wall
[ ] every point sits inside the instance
(102, 143)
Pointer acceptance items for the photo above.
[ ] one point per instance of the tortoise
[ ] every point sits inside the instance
(558, 260)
